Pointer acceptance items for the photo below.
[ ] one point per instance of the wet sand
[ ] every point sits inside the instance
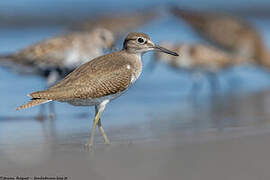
(235, 145)
(229, 157)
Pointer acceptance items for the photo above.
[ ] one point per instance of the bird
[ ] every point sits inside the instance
(119, 23)
(54, 58)
(100, 80)
(228, 32)
(200, 58)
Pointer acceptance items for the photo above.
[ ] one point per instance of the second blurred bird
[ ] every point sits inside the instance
(119, 23)
(229, 32)
(201, 58)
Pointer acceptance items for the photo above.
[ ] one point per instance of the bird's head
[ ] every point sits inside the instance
(140, 43)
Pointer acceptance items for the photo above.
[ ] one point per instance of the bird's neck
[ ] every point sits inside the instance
(134, 60)
(134, 54)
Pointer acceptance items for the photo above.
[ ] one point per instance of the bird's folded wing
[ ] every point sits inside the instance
(88, 87)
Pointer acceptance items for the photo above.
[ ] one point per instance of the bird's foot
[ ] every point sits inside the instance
(40, 117)
(107, 142)
(52, 116)
(89, 146)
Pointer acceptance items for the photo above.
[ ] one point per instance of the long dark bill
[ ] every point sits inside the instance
(162, 49)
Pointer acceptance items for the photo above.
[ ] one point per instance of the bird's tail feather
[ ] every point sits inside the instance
(6, 60)
(5, 57)
(32, 103)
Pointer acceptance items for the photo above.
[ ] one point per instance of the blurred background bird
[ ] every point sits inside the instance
(229, 32)
(199, 58)
(119, 23)
(55, 57)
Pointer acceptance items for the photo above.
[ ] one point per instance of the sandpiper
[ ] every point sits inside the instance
(101, 80)
(200, 58)
(54, 58)
(226, 31)
(119, 24)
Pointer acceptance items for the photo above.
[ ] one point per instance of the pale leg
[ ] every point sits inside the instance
(196, 86)
(51, 110)
(41, 115)
(214, 83)
(51, 80)
(96, 120)
(106, 140)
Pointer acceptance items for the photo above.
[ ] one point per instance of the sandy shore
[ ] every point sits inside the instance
(241, 154)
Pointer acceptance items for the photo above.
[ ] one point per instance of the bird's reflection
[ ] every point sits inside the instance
(218, 113)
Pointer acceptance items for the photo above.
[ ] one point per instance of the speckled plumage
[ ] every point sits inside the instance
(70, 50)
(228, 32)
(103, 76)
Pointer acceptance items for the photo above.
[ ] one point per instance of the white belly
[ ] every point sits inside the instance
(95, 101)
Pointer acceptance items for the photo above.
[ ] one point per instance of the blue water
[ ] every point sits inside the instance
(51, 7)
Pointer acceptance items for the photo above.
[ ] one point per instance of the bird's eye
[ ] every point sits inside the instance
(140, 40)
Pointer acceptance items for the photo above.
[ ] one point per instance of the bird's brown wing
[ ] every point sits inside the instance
(100, 77)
